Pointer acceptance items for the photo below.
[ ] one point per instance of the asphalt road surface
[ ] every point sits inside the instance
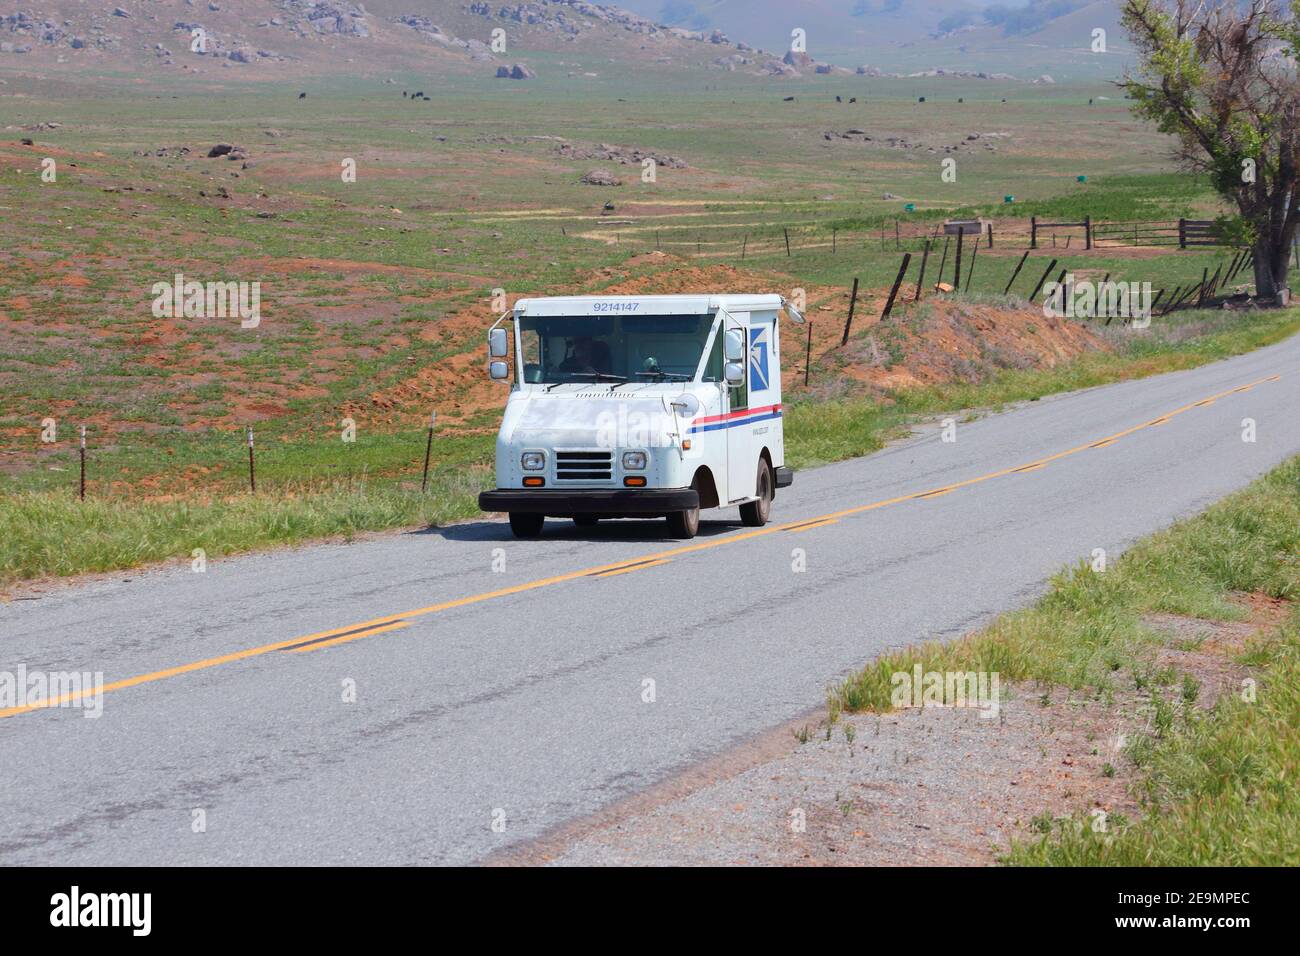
(500, 686)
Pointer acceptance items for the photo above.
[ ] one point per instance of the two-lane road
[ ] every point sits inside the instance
(388, 701)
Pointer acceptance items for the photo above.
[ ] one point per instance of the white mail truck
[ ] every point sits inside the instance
(639, 407)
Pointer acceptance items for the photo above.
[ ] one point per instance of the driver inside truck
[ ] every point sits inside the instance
(587, 356)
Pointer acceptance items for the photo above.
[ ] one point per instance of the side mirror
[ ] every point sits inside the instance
(735, 345)
(734, 373)
(498, 371)
(498, 344)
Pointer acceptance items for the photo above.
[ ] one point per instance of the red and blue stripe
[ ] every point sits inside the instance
(745, 416)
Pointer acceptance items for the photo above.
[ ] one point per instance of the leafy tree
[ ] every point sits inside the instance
(1221, 78)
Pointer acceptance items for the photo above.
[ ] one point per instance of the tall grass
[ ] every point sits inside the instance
(1218, 789)
(55, 534)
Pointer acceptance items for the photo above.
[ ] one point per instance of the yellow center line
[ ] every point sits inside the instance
(628, 570)
(382, 624)
(937, 493)
(811, 525)
(306, 647)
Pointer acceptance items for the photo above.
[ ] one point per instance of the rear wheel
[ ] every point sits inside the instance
(756, 513)
(685, 524)
(526, 525)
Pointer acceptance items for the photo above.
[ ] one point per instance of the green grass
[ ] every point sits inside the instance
(1217, 787)
(54, 534)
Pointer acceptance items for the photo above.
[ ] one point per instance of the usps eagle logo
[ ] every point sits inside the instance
(759, 347)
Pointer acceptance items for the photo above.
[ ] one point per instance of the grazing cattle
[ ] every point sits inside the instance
(789, 99)
(838, 100)
(921, 100)
(853, 99)
(302, 96)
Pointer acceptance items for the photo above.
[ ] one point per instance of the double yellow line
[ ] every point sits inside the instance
(394, 622)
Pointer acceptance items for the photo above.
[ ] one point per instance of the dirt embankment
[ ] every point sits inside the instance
(930, 343)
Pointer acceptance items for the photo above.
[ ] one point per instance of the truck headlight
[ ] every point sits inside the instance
(533, 460)
(634, 461)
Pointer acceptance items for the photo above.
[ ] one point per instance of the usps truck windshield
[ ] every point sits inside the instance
(617, 348)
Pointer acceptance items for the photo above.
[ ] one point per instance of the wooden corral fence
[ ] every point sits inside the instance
(904, 235)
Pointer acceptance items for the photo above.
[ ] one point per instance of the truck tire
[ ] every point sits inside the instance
(756, 513)
(526, 525)
(685, 524)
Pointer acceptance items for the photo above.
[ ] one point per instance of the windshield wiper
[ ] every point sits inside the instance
(594, 376)
(661, 375)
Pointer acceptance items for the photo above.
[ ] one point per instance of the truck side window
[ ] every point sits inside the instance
(532, 355)
(740, 396)
(713, 367)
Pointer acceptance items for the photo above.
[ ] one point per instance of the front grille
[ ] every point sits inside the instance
(584, 466)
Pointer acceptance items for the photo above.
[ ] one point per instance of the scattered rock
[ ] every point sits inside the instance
(623, 155)
(600, 177)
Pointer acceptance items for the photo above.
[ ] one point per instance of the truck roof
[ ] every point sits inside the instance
(647, 304)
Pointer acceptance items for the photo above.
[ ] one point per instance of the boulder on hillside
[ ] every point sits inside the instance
(515, 72)
(600, 177)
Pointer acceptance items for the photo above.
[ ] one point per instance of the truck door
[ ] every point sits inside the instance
(742, 460)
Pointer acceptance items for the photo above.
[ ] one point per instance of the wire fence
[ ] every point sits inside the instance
(768, 240)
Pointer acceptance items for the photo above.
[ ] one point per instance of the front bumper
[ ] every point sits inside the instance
(612, 503)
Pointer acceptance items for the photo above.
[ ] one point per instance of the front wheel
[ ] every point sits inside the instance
(756, 513)
(526, 525)
(685, 524)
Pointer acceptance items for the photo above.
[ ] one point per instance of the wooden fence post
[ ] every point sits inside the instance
(853, 302)
(973, 256)
(902, 271)
(956, 282)
(920, 279)
(1019, 266)
(1087, 231)
(1033, 232)
(1182, 233)
(1046, 272)
(252, 474)
(807, 355)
